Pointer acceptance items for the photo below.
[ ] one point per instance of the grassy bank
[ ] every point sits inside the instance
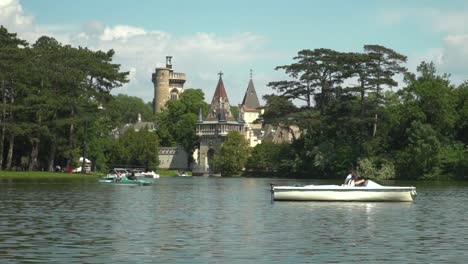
(170, 172)
(45, 175)
(60, 175)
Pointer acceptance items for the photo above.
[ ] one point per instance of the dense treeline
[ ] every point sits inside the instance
(50, 96)
(56, 106)
(419, 131)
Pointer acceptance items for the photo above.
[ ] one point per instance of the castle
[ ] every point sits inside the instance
(212, 129)
(168, 85)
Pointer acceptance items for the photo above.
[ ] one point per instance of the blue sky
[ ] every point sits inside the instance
(205, 37)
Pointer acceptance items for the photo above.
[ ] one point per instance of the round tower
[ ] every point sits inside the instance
(168, 85)
(161, 88)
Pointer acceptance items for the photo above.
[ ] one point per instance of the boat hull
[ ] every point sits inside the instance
(344, 193)
(126, 182)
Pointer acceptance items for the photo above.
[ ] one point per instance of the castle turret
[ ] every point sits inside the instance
(213, 130)
(168, 85)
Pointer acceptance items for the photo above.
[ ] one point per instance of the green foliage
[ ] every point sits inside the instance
(376, 170)
(136, 149)
(49, 92)
(176, 124)
(419, 158)
(232, 157)
(461, 107)
(453, 162)
(124, 109)
(265, 157)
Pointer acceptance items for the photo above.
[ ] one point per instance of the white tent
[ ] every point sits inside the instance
(86, 160)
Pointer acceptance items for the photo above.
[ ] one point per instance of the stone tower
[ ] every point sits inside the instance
(213, 130)
(168, 85)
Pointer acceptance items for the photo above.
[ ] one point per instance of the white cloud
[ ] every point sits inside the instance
(121, 32)
(454, 52)
(12, 15)
(455, 55)
(201, 56)
(452, 25)
(139, 50)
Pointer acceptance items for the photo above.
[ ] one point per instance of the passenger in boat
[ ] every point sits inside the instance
(118, 177)
(350, 176)
(353, 180)
(132, 176)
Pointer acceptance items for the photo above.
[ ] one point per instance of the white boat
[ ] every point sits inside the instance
(183, 174)
(372, 192)
(149, 174)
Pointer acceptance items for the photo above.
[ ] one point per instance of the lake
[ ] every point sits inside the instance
(224, 220)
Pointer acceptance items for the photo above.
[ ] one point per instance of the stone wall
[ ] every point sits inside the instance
(173, 158)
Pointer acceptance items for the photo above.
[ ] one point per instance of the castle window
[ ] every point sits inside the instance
(174, 94)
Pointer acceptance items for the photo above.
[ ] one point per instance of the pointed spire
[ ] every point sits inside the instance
(250, 98)
(220, 103)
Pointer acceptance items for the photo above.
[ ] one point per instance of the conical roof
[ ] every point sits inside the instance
(220, 109)
(250, 100)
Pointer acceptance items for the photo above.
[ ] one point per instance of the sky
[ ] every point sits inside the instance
(207, 36)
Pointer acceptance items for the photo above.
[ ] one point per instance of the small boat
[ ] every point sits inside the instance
(120, 176)
(183, 174)
(372, 192)
(148, 174)
(125, 181)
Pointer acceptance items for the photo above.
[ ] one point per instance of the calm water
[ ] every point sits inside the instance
(217, 220)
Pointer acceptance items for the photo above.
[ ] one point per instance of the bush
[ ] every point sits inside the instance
(375, 170)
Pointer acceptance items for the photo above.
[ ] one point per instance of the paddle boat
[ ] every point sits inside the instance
(182, 174)
(372, 192)
(122, 177)
(147, 174)
(125, 181)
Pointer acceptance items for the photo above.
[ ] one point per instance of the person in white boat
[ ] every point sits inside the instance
(349, 177)
(353, 180)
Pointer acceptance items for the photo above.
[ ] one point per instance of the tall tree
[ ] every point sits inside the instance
(176, 125)
(12, 61)
(232, 157)
(315, 74)
(136, 148)
(384, 64)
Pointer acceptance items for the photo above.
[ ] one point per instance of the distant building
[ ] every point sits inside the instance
(280, 134)
(213, 129)
(173, 158)
(168, 85)
(250, 109)
(117, 132)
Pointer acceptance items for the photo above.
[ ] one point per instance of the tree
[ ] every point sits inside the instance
(125, 109)
(461, 107)
(419, 158)
(384, 64)
(48, 93)
(12, 62)
(432, 95)
(136, 149)
(316, 73)
(233, 154)
(176, 124)
(264, 157)
(279, 112)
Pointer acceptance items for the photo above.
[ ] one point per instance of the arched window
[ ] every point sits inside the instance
(174, 94)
